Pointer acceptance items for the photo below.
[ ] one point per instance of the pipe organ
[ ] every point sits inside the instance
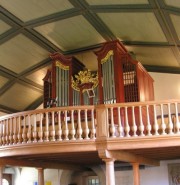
(58, 90)
(119, 79)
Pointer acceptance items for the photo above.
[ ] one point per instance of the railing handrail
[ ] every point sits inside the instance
(69, 108)
(144, 103)
(117, 120)
(38, 111)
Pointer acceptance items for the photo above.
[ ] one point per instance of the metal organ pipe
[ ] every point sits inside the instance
(62, 86)
(103, 80)
(112, 80)
(108, 81)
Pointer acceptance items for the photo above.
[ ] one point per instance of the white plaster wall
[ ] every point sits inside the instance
(124, 177)
(52, 175)
(148, 176)
(166, 86)
(28, 176)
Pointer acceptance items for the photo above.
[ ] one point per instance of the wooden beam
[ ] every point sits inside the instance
(128, 157)
(39, 164)
(162, 69)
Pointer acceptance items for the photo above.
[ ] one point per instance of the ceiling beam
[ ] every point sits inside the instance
(7, 110)
(35, 104)
(39, 164)
(36, 67)
(53, 17)
(40, 40)
(120, 8)
(94, 20)
(30, 84)
(127, 157)
(162, 69)
(8, 85)
(9, 18)
(9, 34)
(167, 26)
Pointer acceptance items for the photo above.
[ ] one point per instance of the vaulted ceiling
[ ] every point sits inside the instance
(31, 30)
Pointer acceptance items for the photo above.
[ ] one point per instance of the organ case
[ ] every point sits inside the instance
(121, 78)
(58, 90)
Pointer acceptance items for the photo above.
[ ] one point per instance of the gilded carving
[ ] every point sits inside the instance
(84, 77)
(61, 66)
(110, 53)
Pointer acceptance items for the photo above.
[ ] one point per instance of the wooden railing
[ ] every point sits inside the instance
(54, 124)
(142, 119)
(91, 122)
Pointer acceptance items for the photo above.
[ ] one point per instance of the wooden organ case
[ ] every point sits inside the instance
(58, 91)
(119, 79)
(123, 79)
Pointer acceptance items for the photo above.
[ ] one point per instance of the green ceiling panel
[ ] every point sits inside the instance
(23, 53)
(28, 10)
(72, 33)
(4, 27)
(134, 26)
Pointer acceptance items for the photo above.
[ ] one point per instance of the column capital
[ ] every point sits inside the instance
(108, 160)
(40, 168)
(105, 155)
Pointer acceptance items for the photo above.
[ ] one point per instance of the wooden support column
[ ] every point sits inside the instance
(40, 176)
(1, 174)
(110, 177)
(136, 173)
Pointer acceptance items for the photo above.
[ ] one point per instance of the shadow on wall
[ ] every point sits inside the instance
(81, 177)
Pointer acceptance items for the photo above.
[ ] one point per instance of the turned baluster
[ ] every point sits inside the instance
(79, 129)
(40, 132)
(47, 127)
(93, 128)
(86, 130)
(4, 133)
(72, 131)
(29, 133)
(148, 122)
(127, 127)
(66, 130)
(170, 126)
(134, 126)
(112, 127)
(156, 126)
(141, 125)
(10, 131)
(7, 132)
(163, 125)
(19, 136)
(59, 127)
(15, 131)
(53, 128)
(120, 127)
(1, 132)
(24, 131)
(34, 129)
(177, 124)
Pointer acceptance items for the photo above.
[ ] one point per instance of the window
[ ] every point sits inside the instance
(93, 181)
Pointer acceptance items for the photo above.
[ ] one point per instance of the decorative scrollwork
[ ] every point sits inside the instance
(107, 56)
(84, 77)
(61, 66)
